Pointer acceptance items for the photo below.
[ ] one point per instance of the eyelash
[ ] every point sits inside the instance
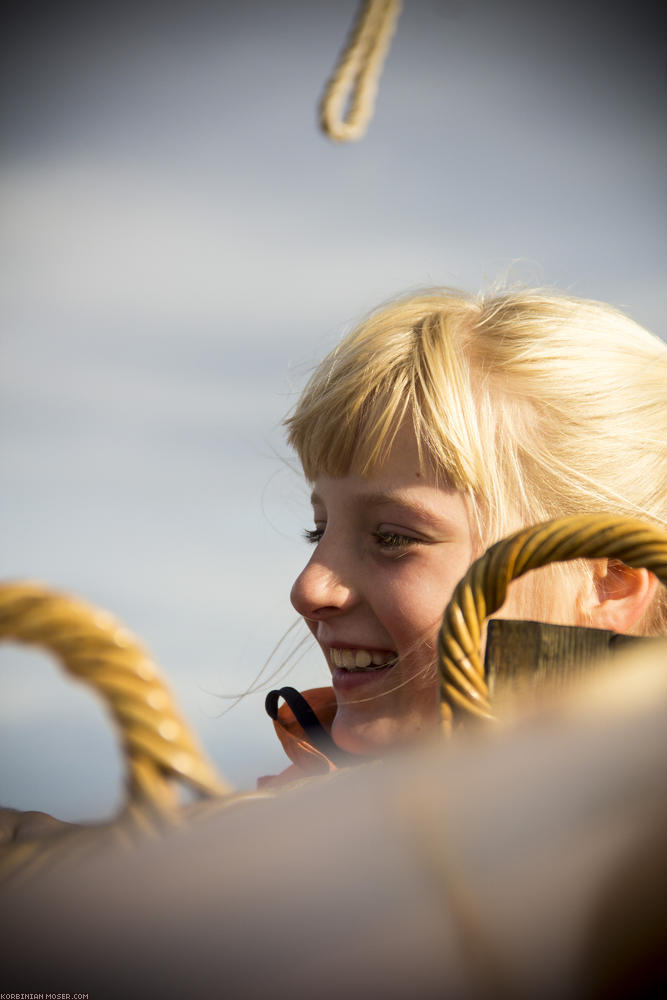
(385, 539)
(392, 540)
(313, 535)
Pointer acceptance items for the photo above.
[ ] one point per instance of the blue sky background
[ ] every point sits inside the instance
(179, 245)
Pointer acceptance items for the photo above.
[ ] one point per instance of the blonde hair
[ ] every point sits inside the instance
(532, 404)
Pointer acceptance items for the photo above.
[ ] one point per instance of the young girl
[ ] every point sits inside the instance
(441, 424)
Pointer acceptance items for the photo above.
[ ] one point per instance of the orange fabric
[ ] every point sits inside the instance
(306, 759)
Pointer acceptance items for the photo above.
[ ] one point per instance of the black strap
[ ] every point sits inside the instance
(311, 725)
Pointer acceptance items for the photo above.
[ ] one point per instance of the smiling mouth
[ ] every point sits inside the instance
(355, 660)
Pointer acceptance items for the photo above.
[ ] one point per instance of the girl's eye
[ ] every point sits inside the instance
(388, 540)
(392, 540)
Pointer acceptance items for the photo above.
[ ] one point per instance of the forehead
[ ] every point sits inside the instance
(404, 481)
(404, 460)
(402, 465)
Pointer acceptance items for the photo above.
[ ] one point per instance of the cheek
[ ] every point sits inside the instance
(417, 614)
(414, 596)
(415, 618)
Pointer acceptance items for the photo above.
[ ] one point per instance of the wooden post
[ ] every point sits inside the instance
(525, 655)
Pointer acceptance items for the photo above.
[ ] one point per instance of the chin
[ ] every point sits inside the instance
(368, 737)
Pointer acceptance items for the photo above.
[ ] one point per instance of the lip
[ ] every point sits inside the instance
(335, 644)
(348, 680)
(351, 680)
(336, 655)
(371, 647)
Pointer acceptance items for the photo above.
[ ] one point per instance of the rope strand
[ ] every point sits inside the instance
(348, 101)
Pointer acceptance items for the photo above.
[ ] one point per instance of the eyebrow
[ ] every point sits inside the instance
(394, 498)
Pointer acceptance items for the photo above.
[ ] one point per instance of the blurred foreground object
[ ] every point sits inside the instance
(348, 101)
(523, 860)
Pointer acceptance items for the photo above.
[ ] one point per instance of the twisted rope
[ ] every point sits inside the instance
(354, 82)
(93, 647)
(481, 592)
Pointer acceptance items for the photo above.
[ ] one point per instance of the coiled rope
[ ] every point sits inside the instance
(481, 592)
(354, 82)
(92, 646)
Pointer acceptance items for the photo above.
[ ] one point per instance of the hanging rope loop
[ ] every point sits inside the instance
(349, 97)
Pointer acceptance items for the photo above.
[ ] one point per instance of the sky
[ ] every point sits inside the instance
(180, 244)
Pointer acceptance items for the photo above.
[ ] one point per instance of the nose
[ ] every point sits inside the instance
(319, 591)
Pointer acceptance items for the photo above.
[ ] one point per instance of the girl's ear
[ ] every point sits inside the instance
(621, 594)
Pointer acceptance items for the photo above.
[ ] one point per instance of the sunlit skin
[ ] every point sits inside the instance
(389, 550)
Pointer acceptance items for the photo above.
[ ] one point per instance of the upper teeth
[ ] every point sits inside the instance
(359, 659)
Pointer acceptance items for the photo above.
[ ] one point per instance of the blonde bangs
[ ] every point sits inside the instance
(391, 368)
